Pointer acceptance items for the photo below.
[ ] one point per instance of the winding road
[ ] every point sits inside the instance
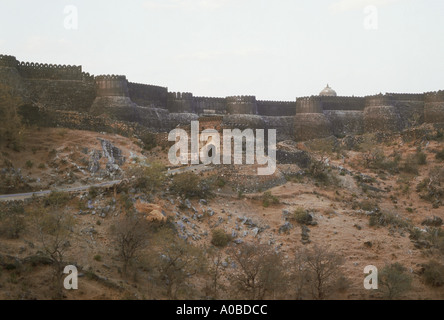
(23, 196)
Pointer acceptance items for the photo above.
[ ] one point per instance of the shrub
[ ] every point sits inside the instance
(432, 187)
(190, 185)
(127, 202)
(318, 170)
(29, 164)
(394, 280)
(368, 205)
(220, 182)
(148, 178)
(12, 222)
(220, 238)
(268, 199)
(410, 165)
(302, 216)
(149, 140)
(440, 155)
(98, 257)
(57, 199)
(93, 192)
(421, 158)
(376, 159)
(434, 274)
(388, 219)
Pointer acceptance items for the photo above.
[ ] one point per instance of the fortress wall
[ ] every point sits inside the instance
(180, 102)
(62, 95)
(406, 96)
(343, 103)
(111, 86)
(382, 118)
(309, 105)
(311, 126)
(434, 107)
(243, 121)
(393, 112)
(378, 100)
(242, 105)
(154, 118)
(65, 87)
(112, 99)
(276, 108)
(345, 122)
(45, 117)
(12, 82)
(8, 61)
(205, 105)
(284, 126)
(410, 112)
(180, 119)
(114, 107)
(31, 70)
(148, 95)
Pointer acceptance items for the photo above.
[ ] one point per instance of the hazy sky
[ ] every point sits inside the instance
(274, 49)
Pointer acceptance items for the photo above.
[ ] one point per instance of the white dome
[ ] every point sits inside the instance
(328, 92)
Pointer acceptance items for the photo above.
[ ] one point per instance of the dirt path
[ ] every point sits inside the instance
(23, 196)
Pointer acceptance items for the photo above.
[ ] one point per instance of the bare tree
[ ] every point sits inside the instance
(131, 236)
(215, 271)
(322, 268)
(299, 276)
(176, 262)
(54, 230)
(259, 271)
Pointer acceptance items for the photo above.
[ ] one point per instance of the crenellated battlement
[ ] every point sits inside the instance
(31, 70)
(434, 107)
(110, 77)
(148, 95)
(392, 98)
(210, 98)
(180, 95)
(144, 85)
(87, 77)
(241, 105)
(8, 61)
(111, 86)
(241, 99)
(436, 96)
(276, 101)
(407, 96)
(309, 105)
(67, 87)
(379, 100)
(276, 108)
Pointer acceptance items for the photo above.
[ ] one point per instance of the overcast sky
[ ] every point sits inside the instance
(274, 49)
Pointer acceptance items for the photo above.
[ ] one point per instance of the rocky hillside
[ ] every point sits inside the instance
(374, 199)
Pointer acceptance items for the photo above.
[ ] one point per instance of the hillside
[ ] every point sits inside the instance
(373, 199)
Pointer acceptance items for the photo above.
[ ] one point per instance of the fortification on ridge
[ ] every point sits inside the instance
(69, 88)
